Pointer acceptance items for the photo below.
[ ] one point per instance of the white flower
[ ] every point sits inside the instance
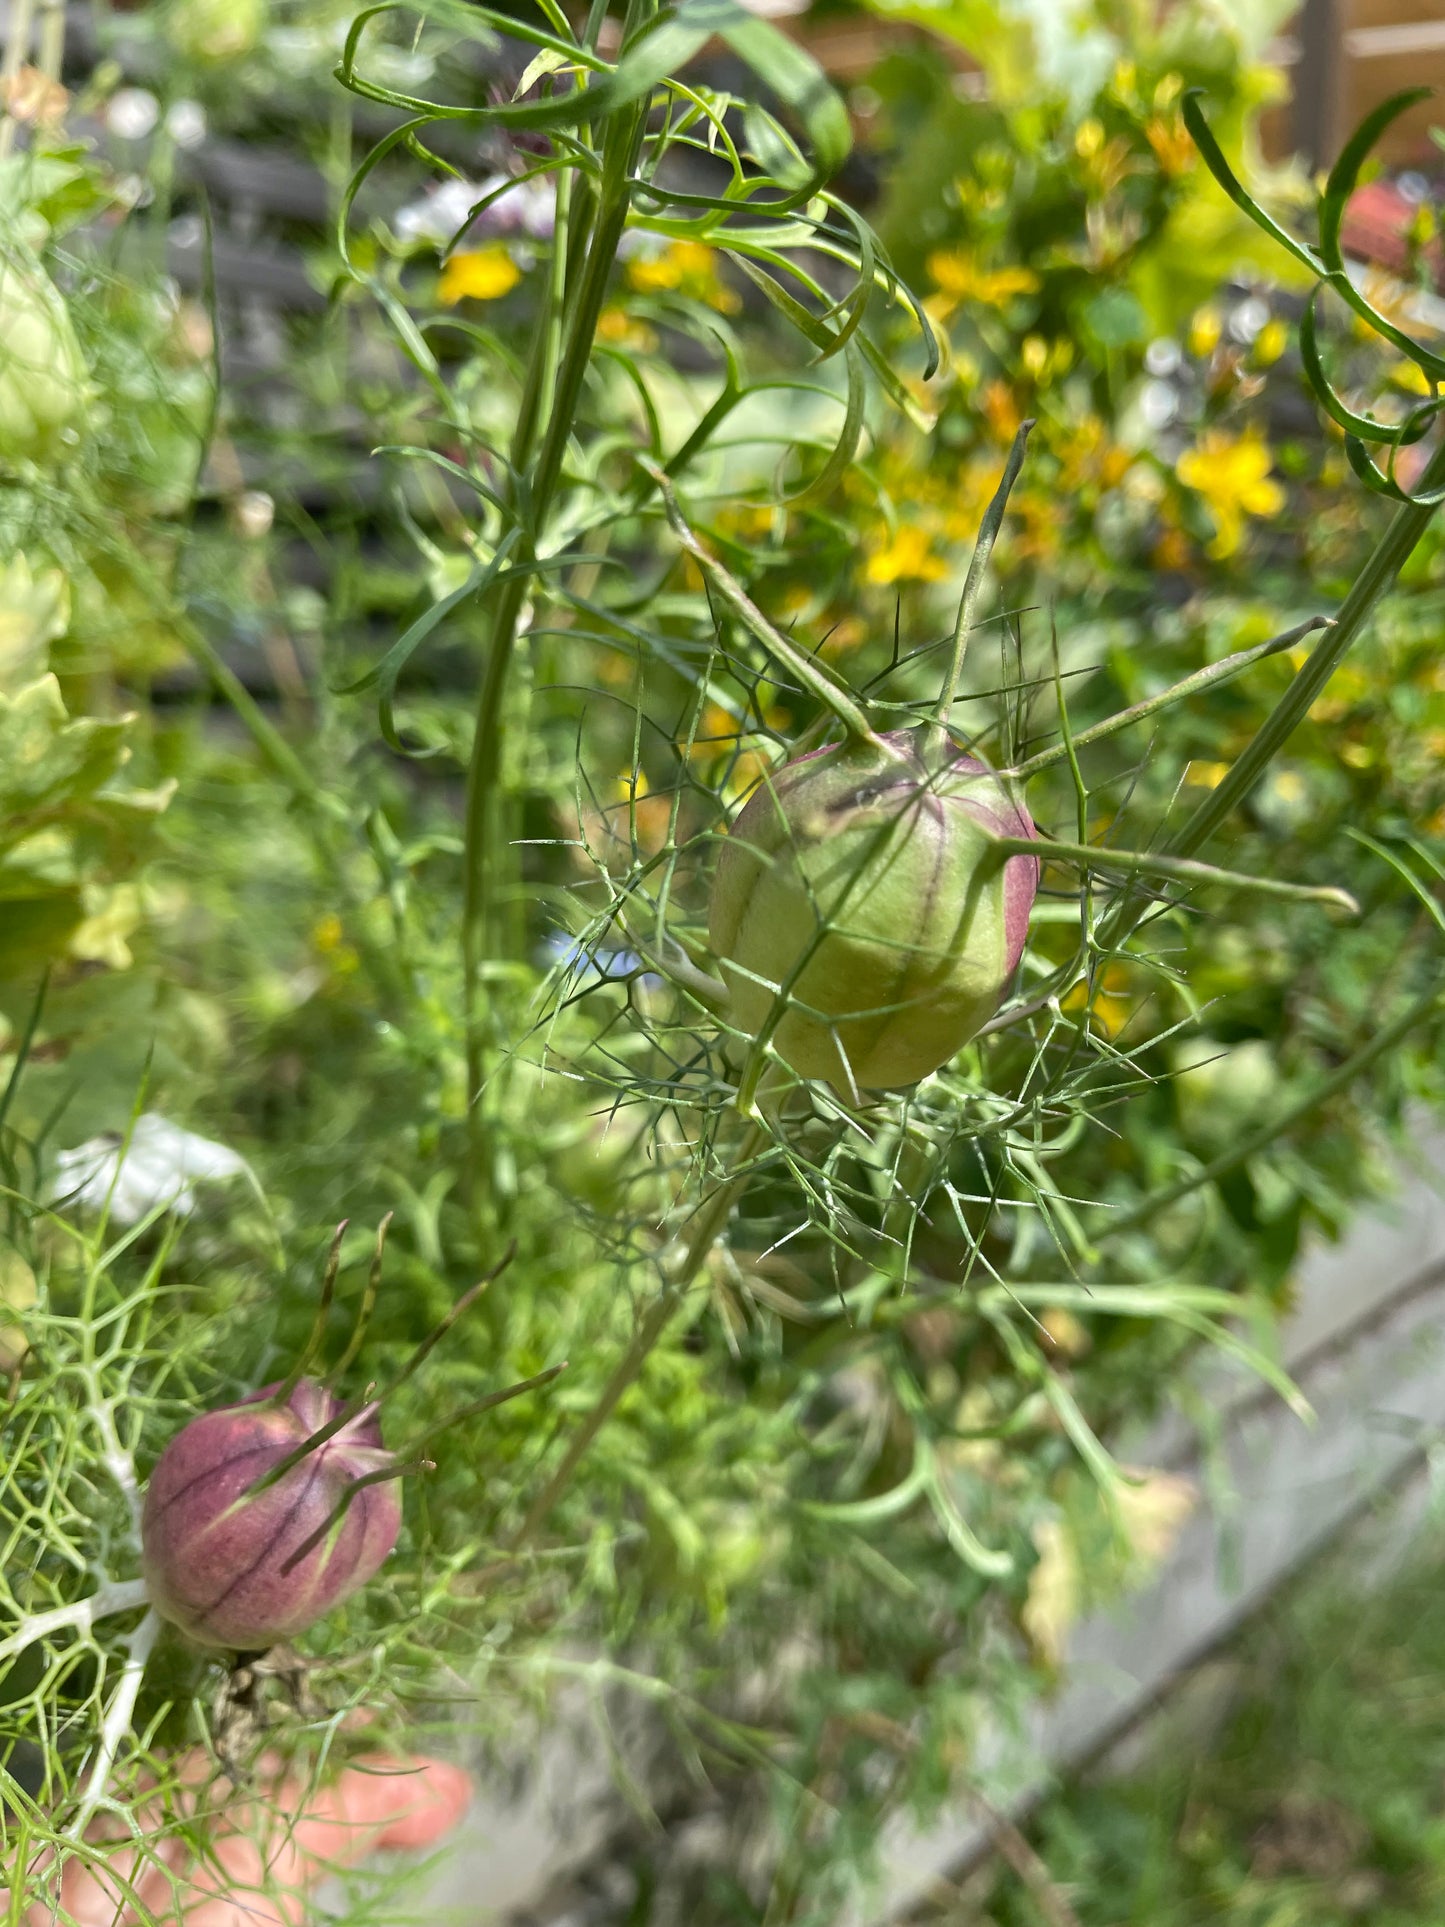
(161, 1165)
(439, 213)
(525, 208)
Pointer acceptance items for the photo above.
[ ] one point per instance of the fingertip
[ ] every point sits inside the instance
(413, 1802)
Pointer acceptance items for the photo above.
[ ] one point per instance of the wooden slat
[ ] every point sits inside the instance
(1370, 81)
(1389, 13)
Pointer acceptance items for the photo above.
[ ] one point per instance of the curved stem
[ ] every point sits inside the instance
(117, 1721)
(108, 1601)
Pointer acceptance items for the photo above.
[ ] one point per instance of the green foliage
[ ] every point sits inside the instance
(1309, 1797)
(666, 488)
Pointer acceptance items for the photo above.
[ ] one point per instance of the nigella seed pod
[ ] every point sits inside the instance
(240, 1561)
(861, 914)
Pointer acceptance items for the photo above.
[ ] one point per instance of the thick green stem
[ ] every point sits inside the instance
(1378, 575)
(712, 1216)
(484, 838)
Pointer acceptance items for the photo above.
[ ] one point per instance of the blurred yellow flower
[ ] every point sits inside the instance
(1171, 552)
(906, 557)
(958, 277)
(619, 329)
(684, 267)
(1204, 333)
(1232, 473)
(647, 815)
(1270, 343)
(1204, 775)
(1410, 376)
(1000, 409)
(479, 274)
(1113, 1002)
(1170, 139)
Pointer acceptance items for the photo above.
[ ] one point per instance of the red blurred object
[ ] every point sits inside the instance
(1377, 226)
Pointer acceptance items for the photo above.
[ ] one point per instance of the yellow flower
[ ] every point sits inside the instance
(1232, 473)
(1204, 332)
(481, 274)
(907, 557)
(957, 275)
(619, 329)
(1410, 376)
(1270, 343)
(1000, 410)
(684, 267)
(1113, 1002)
(327, 934)
(1205, 775)
(1171, 142)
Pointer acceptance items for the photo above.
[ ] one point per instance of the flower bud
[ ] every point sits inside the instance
(859, 890)
(44, 386)
(241, 1564)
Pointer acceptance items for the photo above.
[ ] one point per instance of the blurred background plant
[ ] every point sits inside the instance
(1295, 1779)
(369, 734)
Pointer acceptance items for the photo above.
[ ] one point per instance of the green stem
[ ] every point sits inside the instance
(712, 1216)
(819, 684)
(1137, 863)
(1407, 525)
(1225, 670)
(326, 814)
(484, 854)
(51, 52)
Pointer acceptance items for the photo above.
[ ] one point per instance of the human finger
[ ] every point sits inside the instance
(265, 1859)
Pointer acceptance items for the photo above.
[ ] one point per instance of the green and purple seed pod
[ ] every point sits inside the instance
(864, 921)
(247, 1538)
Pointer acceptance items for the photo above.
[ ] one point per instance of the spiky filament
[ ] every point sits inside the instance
(318, 1324)
(368, 1304)
(936, 743)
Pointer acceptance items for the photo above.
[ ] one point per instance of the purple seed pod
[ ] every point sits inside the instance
(240, 1564)
(860, 915)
